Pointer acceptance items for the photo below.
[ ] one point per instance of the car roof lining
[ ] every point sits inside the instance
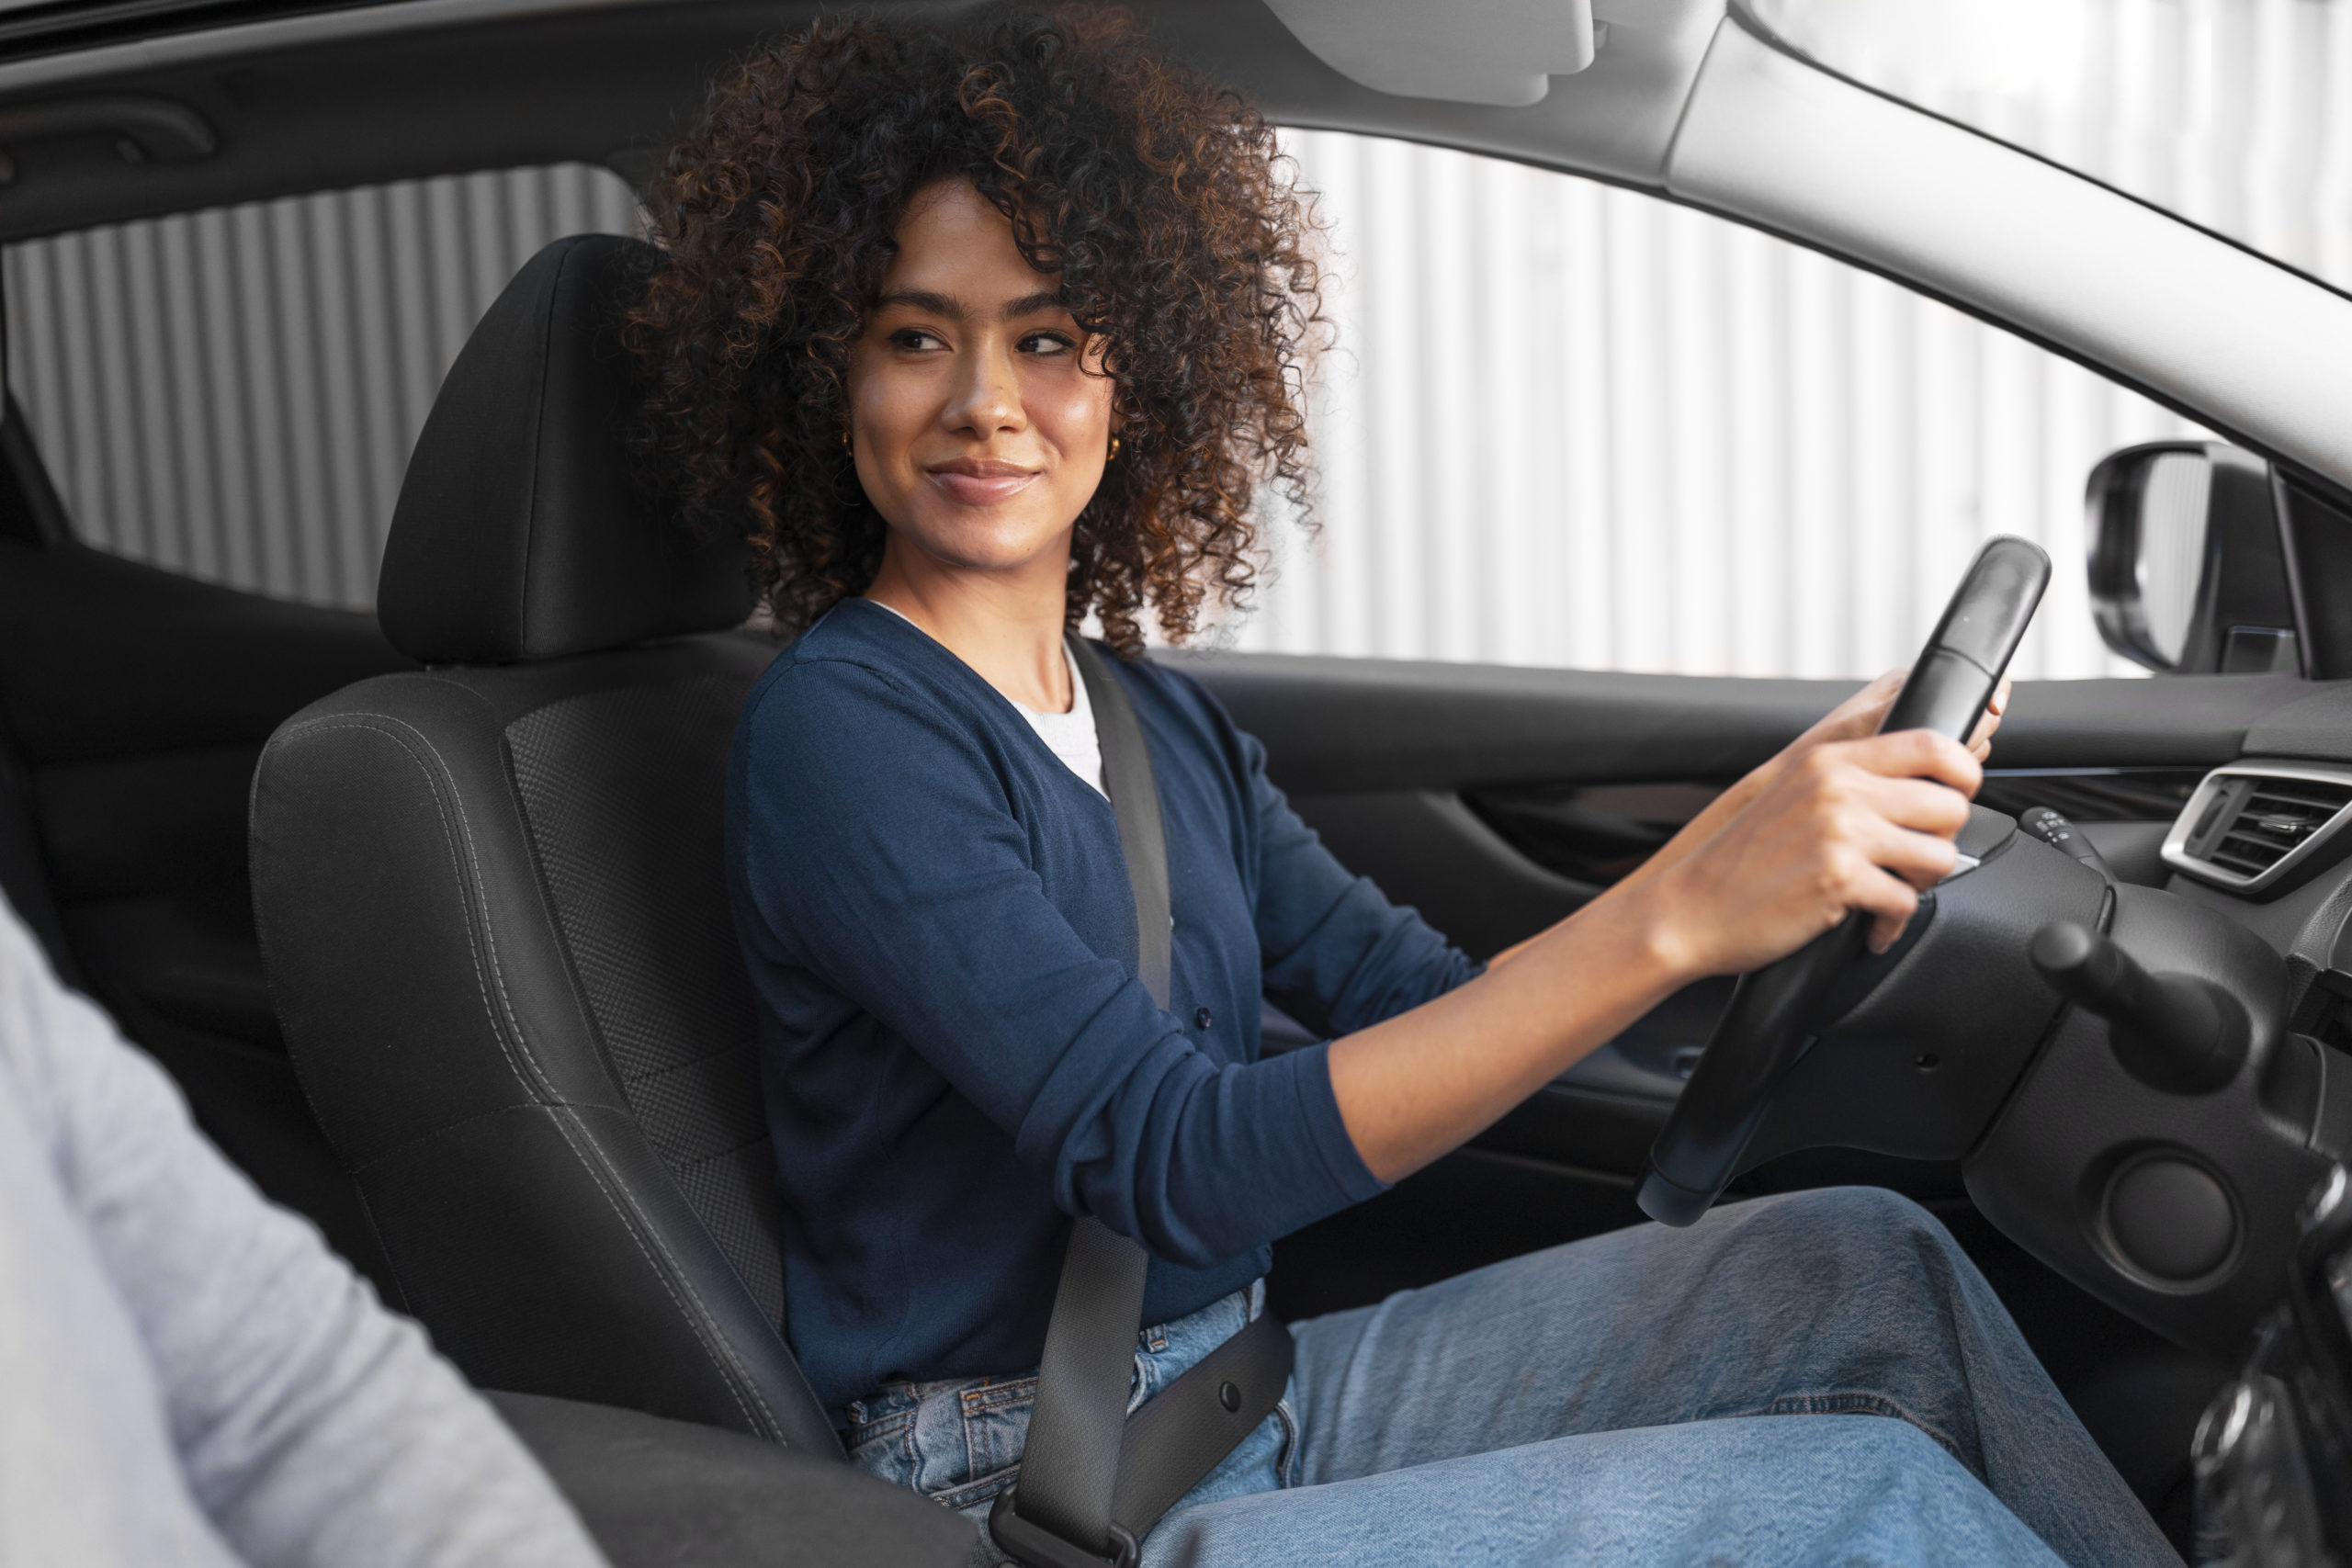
(368, 95)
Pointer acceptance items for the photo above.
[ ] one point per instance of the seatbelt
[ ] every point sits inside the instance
(1094, 1478)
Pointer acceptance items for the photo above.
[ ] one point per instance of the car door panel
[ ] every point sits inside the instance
(1466, 791)
(1466, 880)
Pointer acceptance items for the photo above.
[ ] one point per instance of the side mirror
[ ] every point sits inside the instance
(2188, 573)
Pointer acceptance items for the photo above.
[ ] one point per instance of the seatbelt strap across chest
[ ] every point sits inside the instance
(1094, 1478)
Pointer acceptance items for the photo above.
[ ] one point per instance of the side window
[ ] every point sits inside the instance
(234, 393)
(1564, 423)
(1571, 424)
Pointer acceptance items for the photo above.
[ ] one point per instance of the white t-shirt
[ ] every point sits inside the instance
(1069, 735)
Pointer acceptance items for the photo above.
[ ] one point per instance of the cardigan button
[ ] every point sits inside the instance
(1201, 1019)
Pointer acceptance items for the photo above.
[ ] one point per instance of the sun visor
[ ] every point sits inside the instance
(1473, 51)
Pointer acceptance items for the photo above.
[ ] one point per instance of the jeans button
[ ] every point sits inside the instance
(1201, 1019)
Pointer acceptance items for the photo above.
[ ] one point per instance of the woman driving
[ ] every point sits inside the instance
(980, 329)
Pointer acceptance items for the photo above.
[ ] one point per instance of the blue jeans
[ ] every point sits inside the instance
(1650, 1396)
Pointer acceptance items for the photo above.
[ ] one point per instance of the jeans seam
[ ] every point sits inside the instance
(1855, 1402)
(980, 1489)
(990, 1396)
(897, 1429)
(1287, 1458)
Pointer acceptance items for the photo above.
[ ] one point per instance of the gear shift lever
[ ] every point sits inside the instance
(2174, 1032)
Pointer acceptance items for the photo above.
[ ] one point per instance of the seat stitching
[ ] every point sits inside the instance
(567, 1119)
(391, 728)
(727, 1153)
(731, 1048)
(632, 1216)
(622, 1202)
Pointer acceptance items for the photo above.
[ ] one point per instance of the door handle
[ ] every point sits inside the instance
(146, 129)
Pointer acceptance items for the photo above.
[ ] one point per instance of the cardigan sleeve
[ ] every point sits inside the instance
(1338, 955)
(878, 848)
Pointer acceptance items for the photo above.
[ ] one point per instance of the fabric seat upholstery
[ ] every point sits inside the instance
(492, 903)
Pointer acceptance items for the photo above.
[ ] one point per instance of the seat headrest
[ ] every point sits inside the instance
(520, 532)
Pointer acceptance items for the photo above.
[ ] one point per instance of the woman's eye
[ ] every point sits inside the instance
(1046, 343)
(915, 339)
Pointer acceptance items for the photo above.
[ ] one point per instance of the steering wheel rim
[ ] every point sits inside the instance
(1763, 1030)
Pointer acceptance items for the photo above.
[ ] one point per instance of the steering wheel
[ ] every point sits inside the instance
(1763, 1031)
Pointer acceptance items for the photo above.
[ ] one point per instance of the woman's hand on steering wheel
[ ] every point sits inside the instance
(1855, 718)
(1845, 824)
(1862, 714)
(1859, 824)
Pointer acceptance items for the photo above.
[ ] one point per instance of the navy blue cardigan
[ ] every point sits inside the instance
(955, 1051)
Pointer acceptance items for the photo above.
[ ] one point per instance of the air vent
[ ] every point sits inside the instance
(2249, 826)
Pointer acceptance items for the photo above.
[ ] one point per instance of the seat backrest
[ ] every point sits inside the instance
(492, 907)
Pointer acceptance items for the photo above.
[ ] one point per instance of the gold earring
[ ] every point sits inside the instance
(845, 445)
(1113, 451)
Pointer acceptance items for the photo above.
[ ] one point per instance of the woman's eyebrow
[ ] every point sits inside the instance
(947, 305)
(923, 300)
(1030, 304)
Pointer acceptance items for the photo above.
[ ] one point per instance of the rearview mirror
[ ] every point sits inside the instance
(2187, 573)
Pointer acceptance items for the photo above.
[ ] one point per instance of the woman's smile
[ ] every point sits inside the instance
(981, 481)
(980, 410)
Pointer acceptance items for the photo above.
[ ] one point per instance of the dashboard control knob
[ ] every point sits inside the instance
(2174, 1032)
(2170, 1218)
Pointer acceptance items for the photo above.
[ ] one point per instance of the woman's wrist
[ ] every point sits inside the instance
(1702, 827)
(1654, 923)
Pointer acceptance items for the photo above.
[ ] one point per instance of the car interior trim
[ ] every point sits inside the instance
(2238, 340)
(238, 39)
(306, 79)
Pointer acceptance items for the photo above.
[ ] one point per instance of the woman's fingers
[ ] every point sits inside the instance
(1889, 828)
(1922, 860)
(1919, 754)
(1860, 714)
(1863, 824)
(1980, 742)
(1857, 717)
(1885, 932)
(1918, 803)
(1885, 897)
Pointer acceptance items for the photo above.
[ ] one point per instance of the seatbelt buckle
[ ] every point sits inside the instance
(1039, 1547)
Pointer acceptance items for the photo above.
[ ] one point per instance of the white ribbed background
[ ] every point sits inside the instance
(1566, 424)
(1573, 424)
(234, 393)
(2236, 114)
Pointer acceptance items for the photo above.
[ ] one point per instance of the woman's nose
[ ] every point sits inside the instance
(987, 394)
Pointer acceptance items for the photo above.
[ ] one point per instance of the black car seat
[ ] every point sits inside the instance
(490, 900)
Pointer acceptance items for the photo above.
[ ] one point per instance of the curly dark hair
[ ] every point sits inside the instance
(1158, 199)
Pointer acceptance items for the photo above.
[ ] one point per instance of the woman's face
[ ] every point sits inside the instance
(978, 411)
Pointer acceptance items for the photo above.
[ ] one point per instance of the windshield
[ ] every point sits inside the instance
(2234, 114)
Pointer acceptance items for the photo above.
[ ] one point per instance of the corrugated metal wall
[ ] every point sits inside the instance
(2236, 114)
(234, 393)
(1572, 424)
(1566, 424)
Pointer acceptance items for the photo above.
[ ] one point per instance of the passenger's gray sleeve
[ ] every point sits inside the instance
(312, 1426)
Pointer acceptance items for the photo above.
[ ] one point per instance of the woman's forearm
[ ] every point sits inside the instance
(1418, 1085)
(1844, 824)
(1699, 829)
(1688, 837)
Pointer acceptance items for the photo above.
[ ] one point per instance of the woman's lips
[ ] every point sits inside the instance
(973, 483)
